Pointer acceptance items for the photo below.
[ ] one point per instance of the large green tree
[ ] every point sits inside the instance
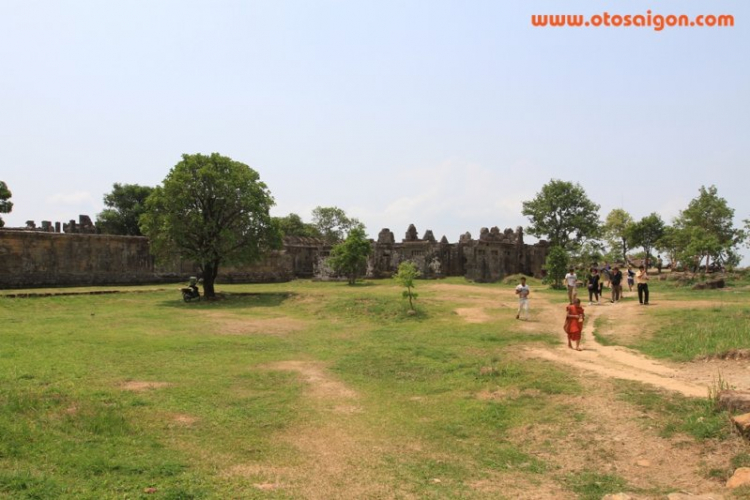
(5, 204)
(708, 228)
(211, 210)
(646, 233)
(333, 223)
(125, 205)
(350, 256)
(616, 231)
(563, 214)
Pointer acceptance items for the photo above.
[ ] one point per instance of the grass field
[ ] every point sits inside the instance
(140, 395)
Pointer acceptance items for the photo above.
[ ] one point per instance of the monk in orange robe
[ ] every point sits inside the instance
(574, 323)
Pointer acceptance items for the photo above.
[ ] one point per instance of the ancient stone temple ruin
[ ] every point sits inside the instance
(45, 256)
(490, 258)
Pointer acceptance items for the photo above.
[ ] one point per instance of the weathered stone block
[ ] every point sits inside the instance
(741, 477)
(735, 400)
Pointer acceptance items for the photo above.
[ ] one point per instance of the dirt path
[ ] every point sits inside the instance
(628, 319)
(334, 447)
(625, 320)
(615, 437)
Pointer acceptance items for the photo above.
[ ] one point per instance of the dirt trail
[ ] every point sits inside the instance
(334, 446)
(628, 319)
(616, 361)
(625, 320)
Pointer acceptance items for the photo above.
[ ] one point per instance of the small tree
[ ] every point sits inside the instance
(556, 266)
(5, 205)
(407, 273)
(125, 205)
(350, 257)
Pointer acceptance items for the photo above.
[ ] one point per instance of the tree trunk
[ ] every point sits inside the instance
(210, 270)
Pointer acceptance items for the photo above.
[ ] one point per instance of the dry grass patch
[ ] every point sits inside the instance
(141, 385)
(183, 419)
(473, 314)
(613, 437)
(224, 323)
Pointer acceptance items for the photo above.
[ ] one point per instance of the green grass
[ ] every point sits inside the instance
(590, 485)
(718, 323)
(687, 334)
(673, 413)
(68, 429)
(599, 324)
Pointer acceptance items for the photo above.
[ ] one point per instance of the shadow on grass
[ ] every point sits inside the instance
(231, 300)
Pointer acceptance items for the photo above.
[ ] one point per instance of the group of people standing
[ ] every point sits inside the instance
(613, 277)
(595, 283)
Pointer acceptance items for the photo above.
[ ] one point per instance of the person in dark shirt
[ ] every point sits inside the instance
(631, 278)
(592, 281)
(615, 278)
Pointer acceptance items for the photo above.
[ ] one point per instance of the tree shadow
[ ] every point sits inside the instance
(231, 300)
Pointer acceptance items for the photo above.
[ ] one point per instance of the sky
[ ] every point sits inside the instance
(444, 114)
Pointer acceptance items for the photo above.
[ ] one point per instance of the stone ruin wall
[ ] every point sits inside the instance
(492, 257)
(46, 257)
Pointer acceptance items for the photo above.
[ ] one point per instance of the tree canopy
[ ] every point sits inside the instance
(646, 233)
(563, 214)
(125, 205)
(707, 228)
(5, 204)
(615, 231)
(211, 210)
(293, 225)
(333, 223)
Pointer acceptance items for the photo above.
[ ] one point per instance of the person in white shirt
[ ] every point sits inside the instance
(571, 280)
(522, 291)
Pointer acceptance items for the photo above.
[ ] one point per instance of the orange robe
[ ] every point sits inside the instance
(573, 327)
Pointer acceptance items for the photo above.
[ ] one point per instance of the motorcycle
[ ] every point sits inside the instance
(189, 293)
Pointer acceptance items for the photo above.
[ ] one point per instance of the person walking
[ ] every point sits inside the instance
(631, 278)
(571, 281)
(616, 283)
(641, 279)
(522, 290)
(574, 323)
(592, 282)
(603, 276)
